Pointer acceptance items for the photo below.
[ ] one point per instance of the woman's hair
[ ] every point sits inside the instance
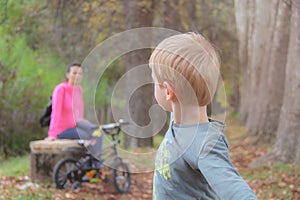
(187, 61)
(72, 65)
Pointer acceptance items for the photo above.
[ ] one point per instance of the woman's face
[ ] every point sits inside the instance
(74, 76)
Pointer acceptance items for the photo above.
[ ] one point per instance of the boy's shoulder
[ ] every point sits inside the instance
(193, 138)
(203, 140)
(198, 131)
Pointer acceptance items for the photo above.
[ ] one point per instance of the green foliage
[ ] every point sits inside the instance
(26, 81)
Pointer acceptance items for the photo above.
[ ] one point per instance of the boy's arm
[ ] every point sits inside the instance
(221, 175)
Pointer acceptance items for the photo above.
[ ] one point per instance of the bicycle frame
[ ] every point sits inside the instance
(89, 169)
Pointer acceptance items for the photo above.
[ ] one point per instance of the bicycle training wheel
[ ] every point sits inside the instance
(121, 177)
(65, 173)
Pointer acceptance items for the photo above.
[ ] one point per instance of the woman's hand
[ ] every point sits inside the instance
(49, 138)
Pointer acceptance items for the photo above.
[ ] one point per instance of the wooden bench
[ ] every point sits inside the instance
(45, 154)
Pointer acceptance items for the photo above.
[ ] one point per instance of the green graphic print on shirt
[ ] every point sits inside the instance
(163, 160)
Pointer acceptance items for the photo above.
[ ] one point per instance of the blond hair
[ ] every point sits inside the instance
(187, 60)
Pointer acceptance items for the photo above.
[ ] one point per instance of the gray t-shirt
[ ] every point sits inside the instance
(193, 162)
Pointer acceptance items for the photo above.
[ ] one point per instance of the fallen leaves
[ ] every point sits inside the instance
(277, 181)
(270, 182)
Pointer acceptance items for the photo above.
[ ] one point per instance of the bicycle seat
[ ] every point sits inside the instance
(109, 126)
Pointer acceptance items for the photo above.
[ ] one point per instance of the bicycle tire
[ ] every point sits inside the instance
(65, 173)
(121, 177)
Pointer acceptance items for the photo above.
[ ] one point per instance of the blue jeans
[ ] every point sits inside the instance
(73, 133)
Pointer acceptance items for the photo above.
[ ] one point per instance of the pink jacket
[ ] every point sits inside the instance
(67, 108)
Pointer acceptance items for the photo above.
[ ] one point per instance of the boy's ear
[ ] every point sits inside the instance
(169, 92)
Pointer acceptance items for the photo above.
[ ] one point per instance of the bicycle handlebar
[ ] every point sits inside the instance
(108, 127)
(121, 122)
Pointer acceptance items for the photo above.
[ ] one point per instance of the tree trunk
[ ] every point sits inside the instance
(191, 10)
(259, 41)
(272, 85)
(263, 42)
(138, 14)
(170, 15)
(234, 98)
(287, 146)
(244, 13)
(264, 28)
(241, 20)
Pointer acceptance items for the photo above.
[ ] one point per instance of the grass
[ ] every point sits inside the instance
(31, 194)
(15, 166)
(19, 167)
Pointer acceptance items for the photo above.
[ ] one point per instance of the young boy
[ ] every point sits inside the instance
(192, 161)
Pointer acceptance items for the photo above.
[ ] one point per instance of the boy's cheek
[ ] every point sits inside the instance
(165, 105)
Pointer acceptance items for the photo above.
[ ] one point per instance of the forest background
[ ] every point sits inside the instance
(258, 42)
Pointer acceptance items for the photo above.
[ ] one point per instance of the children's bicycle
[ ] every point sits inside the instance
(71, 173)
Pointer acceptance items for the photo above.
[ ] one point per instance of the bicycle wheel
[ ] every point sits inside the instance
(121, 177)
(65, 173)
